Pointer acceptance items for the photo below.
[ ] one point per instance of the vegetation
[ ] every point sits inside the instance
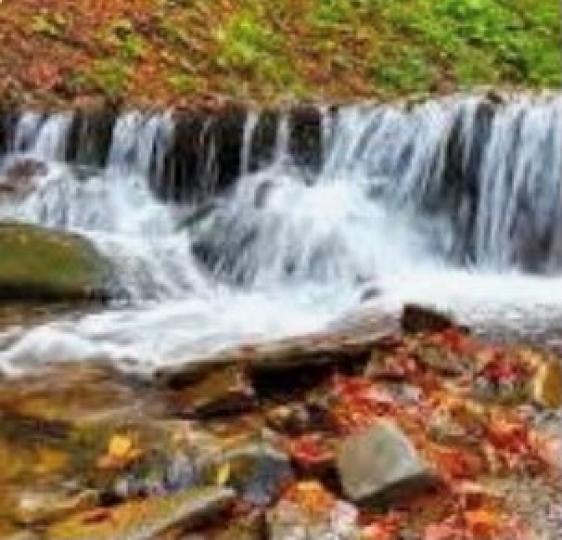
(186, 51)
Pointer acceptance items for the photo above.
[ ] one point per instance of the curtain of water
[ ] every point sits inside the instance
(438, 187)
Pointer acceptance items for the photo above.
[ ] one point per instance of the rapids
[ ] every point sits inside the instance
(453, 202)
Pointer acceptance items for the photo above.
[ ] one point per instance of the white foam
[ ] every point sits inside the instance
(287, 256)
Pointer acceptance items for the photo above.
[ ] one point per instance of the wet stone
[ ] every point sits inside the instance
(68, 395)
(423, 319)
(161, 458)
(40, 264)
(157, 474)
(18, 179)
(285, 356)
(294, 418)
(440, 361)
(381, 463)
(23, 535)
(40, 506)
(221, 391)
(310, 512)
(388, 367)
(257, 471)
(147, 518)
(510, 392)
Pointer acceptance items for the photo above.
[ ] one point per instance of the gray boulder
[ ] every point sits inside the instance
(381, 463)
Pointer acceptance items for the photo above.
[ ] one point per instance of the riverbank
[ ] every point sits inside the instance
(198, 54)
(469, 432)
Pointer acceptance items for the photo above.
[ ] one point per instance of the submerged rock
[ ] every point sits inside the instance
(18, 179)
(146, 519)
(38, 264)
(381, 463)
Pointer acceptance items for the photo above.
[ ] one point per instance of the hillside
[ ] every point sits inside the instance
(193, 52)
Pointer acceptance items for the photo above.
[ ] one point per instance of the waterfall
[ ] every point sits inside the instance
(238, 225)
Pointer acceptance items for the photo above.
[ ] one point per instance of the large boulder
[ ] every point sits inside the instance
(38, 264)
(381, 463)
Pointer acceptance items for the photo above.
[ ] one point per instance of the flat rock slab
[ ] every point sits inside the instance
(146, 519)
(381, 463)
(69, 394)
(322, 348)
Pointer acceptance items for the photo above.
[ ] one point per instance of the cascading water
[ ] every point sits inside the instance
(454, 202)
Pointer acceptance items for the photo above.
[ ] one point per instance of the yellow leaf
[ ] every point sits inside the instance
(121, 452)
(483, 523)
(223, 474)
(120, 446)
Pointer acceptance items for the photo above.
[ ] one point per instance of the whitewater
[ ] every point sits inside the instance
(454, 203)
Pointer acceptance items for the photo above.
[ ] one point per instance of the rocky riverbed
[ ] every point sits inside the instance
(420, 432)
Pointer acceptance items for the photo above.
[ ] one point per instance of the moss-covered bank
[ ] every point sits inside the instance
(186, 52)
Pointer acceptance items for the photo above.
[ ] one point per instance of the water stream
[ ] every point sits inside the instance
(455, 203)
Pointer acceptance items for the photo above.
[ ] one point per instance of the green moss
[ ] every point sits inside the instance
(36, 262)
(108, 75)
(121, 36)
(173, 32)
(333, 12)
(402, 69)
(182, 82)
(483, 41)
(250, 48)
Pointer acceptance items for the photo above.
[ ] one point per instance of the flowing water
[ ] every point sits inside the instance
(455, 203)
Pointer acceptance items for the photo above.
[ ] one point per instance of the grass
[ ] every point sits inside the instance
(251, 51)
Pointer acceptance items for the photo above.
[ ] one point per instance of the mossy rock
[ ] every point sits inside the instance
(38, 264)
